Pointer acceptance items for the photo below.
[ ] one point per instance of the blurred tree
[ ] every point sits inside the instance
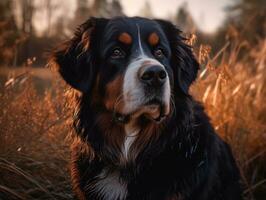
(51, 8)
(146, 11)
(82, 13)
(246, 21)
(59, 31)
(96, 8)
(27, 10)
(6, 11)
(116, 8)
(26, 13)
(99, 8)
(248, 18)
(103, 8)
(8, 32)
(184, 19)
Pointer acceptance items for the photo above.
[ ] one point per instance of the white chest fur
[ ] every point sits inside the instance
(109, 187)
(131, 135)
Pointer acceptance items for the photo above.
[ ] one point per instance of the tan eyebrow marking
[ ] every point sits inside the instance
(153, 39)
(125, 38)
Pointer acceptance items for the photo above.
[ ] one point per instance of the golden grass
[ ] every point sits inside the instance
(233, 93)
(34, 151)
(34, 125)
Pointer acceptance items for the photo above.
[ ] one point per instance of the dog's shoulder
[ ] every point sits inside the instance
(223, 174)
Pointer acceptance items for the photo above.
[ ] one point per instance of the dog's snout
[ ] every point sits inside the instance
(153, 75)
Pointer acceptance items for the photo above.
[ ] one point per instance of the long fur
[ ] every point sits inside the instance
(181, 158)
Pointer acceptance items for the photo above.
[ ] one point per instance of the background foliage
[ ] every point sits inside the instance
(35, 105)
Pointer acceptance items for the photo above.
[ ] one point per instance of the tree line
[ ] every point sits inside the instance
(21, 42)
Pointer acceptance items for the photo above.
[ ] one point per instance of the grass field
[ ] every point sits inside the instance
(35, 119)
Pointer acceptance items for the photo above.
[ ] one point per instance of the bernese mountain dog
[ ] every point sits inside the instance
(140, 135)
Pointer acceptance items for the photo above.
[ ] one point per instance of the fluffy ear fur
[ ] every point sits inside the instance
(75, 58)
(183, 62)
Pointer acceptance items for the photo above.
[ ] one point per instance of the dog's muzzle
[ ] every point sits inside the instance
(146, 89)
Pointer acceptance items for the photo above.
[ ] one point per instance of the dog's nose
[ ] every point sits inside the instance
(153, 75)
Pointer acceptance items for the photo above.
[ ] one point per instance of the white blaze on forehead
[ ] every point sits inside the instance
(133, 91)
(139, 41)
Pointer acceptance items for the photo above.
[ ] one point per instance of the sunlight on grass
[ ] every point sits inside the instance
(35, 125)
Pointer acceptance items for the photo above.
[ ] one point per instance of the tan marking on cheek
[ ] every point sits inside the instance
(114, 97)
(114, 135)
(153, 39)
(125, 38)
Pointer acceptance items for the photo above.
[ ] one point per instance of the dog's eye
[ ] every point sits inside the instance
(117, 53)
(158, 53)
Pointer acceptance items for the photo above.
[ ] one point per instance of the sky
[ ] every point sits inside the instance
(208, 14)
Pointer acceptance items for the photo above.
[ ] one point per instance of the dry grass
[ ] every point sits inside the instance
(34, 151)
(233, 93)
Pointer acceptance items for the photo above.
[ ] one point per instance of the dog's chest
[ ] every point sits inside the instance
(109, 186)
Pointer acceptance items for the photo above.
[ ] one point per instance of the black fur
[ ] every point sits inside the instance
(188, 161)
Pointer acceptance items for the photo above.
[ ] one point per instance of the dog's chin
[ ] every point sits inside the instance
(156, 115)
(155, 112)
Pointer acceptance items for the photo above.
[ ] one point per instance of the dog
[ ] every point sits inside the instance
(140, 135)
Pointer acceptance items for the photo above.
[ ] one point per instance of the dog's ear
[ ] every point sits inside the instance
(75, 58)
(183, 61)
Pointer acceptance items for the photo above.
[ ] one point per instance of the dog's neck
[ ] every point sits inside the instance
(125, 141)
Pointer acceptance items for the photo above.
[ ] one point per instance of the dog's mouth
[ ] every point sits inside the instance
(155, 113)
(154, 110)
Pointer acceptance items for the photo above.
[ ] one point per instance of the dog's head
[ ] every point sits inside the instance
(131, 66)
